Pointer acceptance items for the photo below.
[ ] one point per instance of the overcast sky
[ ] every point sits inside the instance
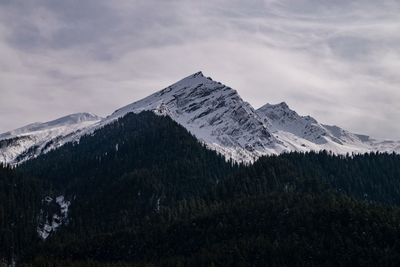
(338, 61)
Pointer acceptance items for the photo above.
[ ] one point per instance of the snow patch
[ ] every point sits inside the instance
(32, 140)
(53, 215)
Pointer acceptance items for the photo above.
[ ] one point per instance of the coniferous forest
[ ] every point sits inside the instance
(144, 192)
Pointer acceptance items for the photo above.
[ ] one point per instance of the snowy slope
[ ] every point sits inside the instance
(211, 111)
(53, 214)
(217, 116)
(34, 139)
(304, 133)
(214, 113)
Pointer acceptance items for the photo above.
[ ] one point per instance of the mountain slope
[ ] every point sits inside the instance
(212, 112)
(304, 133)
(179, 204)
(127, 170)
(217, 116)
(37, 138)
(143, 190)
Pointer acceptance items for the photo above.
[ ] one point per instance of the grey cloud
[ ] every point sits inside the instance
(335, 60)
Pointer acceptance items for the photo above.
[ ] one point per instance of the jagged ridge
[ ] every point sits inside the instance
(215, 114)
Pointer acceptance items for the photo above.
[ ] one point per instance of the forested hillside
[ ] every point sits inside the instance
(373, 177)
(144, 192)
(20, 200)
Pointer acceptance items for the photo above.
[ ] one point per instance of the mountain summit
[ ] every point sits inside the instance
(37, 138)
(214, 113)
(304, 133)
(211, 111)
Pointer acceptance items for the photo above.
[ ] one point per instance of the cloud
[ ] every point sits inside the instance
(335, 60)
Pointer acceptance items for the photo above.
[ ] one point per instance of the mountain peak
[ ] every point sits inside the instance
(197, 76)
(75, 118)
(281, 105)
(72, 119)
(199, 73)
(34, 139)
(192, 80)
(213, 112)
(278, 111)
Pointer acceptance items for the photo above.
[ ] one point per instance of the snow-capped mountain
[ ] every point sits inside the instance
(211, 111)
(215, 114)
(37, 138)
(304, 133)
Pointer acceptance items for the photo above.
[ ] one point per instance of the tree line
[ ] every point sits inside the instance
(145, 192)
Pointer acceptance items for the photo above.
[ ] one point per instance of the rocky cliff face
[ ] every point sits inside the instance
(215, 114)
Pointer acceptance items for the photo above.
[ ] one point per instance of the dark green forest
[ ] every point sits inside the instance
(145, 192)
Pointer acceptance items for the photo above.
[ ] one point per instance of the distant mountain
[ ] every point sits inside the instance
(304, 133)
(37, 138)
(215, 114)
